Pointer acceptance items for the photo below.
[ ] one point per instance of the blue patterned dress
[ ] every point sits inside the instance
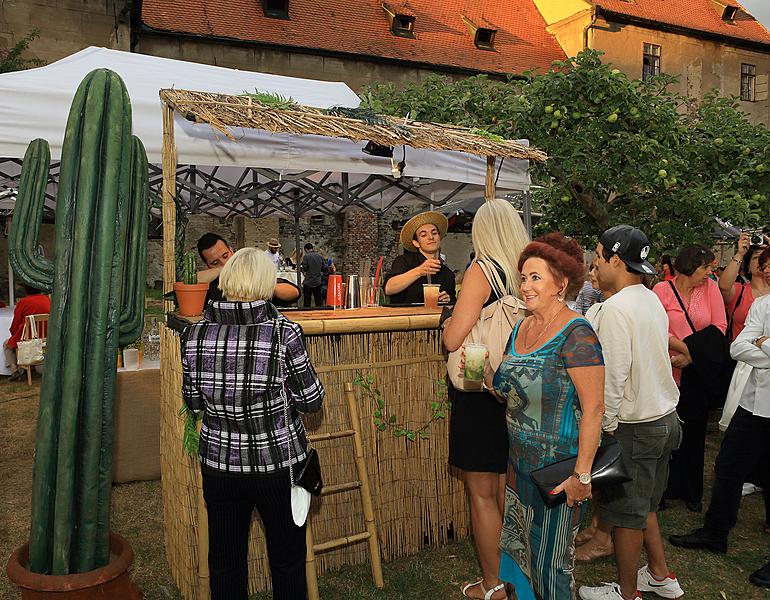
(543, 415)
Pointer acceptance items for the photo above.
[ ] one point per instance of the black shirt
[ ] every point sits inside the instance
(215, 293)
(413, 294)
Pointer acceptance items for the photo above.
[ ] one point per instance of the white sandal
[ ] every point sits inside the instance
(468, 586)
(490, 592)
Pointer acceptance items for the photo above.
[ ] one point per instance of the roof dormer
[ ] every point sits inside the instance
(727, 10)
(482, 33)
(276, 9)
(401, 19)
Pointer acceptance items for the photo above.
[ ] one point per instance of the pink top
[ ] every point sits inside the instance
(739, 320)
(706, 307)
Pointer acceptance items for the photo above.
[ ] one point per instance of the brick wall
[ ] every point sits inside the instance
(321, 231)
(361, 239)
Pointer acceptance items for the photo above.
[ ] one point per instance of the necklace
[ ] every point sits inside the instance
(537, 339)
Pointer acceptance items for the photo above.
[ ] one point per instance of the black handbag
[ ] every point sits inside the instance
(309, 476)
(608, 470)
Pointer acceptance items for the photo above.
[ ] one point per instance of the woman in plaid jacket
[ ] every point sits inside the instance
(240, 364)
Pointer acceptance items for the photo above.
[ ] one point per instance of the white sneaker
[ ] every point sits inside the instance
(748, 489)
(606, 591)
(668, 588)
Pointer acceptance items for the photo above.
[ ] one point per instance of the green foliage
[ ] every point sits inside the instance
(621, 151)
(272, 100)
(366, 115)
(383, 421)
(190, 436)
(12, 60)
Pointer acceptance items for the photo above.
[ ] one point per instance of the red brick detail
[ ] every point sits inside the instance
(360, 237)
(361, 27)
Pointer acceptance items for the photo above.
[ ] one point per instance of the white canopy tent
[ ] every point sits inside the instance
(35, 104)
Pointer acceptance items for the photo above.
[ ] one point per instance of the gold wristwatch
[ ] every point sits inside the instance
(584, 478)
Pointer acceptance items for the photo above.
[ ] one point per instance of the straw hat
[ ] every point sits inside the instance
(417, 221)
(273, 243)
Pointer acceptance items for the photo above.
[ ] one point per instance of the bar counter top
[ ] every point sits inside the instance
(354, 320)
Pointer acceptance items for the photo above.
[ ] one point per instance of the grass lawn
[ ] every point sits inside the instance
(434, 573)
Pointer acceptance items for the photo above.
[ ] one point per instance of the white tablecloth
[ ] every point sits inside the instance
(6, 318)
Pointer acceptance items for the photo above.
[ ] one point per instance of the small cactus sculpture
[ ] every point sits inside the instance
(97, 283)
(190, 269)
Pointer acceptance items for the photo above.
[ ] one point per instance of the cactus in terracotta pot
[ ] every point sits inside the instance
(97, 281)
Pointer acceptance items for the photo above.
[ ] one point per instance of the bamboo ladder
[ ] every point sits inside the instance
(361, 484)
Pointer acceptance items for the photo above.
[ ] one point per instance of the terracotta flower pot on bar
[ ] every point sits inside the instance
(191, 298)
(110, 581)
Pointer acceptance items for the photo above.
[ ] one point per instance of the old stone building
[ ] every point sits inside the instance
(706, 44)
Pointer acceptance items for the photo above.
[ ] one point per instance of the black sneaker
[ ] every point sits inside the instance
(761, 577)
(16, 376)
(700, 539)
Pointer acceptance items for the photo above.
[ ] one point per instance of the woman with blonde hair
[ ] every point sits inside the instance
(478, 438)
(246, 368)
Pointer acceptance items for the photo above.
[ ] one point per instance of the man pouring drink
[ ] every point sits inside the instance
(415, 275)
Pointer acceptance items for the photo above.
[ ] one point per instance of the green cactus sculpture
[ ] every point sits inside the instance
(189, 269)
(97, 283)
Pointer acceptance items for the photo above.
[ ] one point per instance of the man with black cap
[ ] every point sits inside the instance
(421, 238)
(640, 398)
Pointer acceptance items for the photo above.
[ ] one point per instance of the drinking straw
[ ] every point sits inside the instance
(377, 273)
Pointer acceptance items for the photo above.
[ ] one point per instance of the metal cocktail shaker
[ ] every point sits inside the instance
(353, 292)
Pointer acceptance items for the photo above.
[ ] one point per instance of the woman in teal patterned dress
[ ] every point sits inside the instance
(552, 381)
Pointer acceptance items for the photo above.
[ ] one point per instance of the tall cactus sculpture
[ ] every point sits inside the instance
(97, 279)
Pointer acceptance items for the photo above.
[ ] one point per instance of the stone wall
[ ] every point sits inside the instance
(66, 26)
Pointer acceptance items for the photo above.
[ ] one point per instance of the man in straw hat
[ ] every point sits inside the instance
(273, 251)
(421, 238)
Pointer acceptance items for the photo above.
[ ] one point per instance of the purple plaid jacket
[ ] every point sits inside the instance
(236, 365)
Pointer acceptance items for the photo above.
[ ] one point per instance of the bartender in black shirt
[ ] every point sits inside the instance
(421, 238)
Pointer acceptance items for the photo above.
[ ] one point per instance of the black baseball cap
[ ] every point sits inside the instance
(631, 246)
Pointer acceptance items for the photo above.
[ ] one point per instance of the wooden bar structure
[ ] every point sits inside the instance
(416, 500)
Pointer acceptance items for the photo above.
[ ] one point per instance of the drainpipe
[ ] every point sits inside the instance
(588, 27)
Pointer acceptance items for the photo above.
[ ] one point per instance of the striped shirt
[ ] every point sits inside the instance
(237, 365)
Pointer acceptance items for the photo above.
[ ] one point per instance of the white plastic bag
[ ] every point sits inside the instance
(300, 504)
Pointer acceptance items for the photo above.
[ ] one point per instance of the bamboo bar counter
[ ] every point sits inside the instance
(417, 500)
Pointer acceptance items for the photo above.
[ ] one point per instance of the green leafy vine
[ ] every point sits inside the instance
(190, 436)
(272, 100)
(384, 421)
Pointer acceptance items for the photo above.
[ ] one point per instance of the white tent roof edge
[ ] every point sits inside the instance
(35, 104)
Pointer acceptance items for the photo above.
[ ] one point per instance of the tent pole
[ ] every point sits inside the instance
(169, 206)
(489, 182)
(528, 212)
(296, 238)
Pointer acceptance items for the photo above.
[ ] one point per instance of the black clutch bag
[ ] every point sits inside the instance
(309, 477)
(608, 470)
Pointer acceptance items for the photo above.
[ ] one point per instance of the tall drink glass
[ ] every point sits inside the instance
(475, 356)
(430, 294)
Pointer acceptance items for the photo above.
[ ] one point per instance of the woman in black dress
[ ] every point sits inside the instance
(478, 438)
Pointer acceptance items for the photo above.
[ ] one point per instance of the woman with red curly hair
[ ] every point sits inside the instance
(552, 380)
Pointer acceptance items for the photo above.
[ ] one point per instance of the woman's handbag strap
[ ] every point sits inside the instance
(678, 297)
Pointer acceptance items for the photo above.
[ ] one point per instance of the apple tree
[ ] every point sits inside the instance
(620, 150)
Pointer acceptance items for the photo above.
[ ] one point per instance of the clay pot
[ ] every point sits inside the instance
(191, 297)
(110, 581)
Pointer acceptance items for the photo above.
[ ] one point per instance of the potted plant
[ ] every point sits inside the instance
(97, 283)
(190, 295)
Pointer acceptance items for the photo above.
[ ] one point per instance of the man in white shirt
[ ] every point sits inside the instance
(747, 440)
(640, 398)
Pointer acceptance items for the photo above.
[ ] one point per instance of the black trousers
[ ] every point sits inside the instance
(230, 501)
(316, 292)
(746, 444)
(685, 479)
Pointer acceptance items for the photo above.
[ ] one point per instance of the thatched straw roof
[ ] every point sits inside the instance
(223, 111)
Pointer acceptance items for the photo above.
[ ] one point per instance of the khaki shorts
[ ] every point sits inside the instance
(647, 448)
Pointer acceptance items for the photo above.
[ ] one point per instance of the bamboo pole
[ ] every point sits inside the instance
(489, 182)
(169, 205)
(311, 576)
(366, 492)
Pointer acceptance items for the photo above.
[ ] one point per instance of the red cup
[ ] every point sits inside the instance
(334, 293)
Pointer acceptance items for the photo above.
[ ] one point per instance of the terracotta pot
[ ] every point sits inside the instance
(191, 297)
(111, 581)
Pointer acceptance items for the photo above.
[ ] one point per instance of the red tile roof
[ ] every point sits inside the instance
(700, 15)
(361, 27)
